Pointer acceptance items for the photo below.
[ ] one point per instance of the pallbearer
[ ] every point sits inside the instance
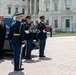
(16, 42)
(42, 35)
(28, 37)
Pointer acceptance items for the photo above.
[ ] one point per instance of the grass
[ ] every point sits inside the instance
(62, 34)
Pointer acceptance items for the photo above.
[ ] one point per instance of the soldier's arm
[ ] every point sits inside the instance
(5, 28)
(22, 34)
(10, 33)
(30, 26)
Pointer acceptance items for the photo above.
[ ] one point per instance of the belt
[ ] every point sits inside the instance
(16, 34)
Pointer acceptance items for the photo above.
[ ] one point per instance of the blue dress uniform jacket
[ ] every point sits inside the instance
(16, 44)
(41, 27)
(30, 35)
(14, 29)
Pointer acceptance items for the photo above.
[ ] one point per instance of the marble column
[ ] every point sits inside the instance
(35, 6)
(74, 5)
(41, 7)
(60, 6)
(51, 6)
(30, 6)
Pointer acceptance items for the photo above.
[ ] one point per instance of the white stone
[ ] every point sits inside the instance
(61, 15)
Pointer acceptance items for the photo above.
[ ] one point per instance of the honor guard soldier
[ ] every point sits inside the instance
(50, 31)
(42, 35)
(28, 37)
(2, 35)
(16, 42)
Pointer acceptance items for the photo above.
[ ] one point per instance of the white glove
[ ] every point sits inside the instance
(26, 31)
(44, 31)
(23, 45)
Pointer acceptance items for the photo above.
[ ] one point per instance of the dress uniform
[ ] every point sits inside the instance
(28, 37)
(42, 35)
(50, 31)
(2, 36)
(22, 32)
(16, 42)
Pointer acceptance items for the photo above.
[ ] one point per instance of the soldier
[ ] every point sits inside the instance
(16, 42)
(42, 35)
(50, 31)
(2, 35)
(28, 37)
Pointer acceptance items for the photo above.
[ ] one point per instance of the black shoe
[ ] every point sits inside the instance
(2, 58)
(42, 56)
(19, 69)
(28, 58)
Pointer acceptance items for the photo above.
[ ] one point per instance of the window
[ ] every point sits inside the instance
(9, 10)
(67, 4)
(56, 23)
(37, 10)
(28, 10)
(47, 21)
(47, 7)
(55, 6)
(16, 9)
(23, 11)
(67, 23)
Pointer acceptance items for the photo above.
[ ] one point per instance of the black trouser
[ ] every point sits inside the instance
(42, 47)
(50, 34)
(1, 47)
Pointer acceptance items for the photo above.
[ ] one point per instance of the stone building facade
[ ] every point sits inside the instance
(60, 14)
(8, 7)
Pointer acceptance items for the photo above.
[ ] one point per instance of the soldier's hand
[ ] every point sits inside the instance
(27, 32)
(44, 31)
(23, 45)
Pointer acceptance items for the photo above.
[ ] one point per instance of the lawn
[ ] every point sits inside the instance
(62, 34)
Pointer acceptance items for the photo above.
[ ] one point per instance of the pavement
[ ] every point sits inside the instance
(60, 59)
